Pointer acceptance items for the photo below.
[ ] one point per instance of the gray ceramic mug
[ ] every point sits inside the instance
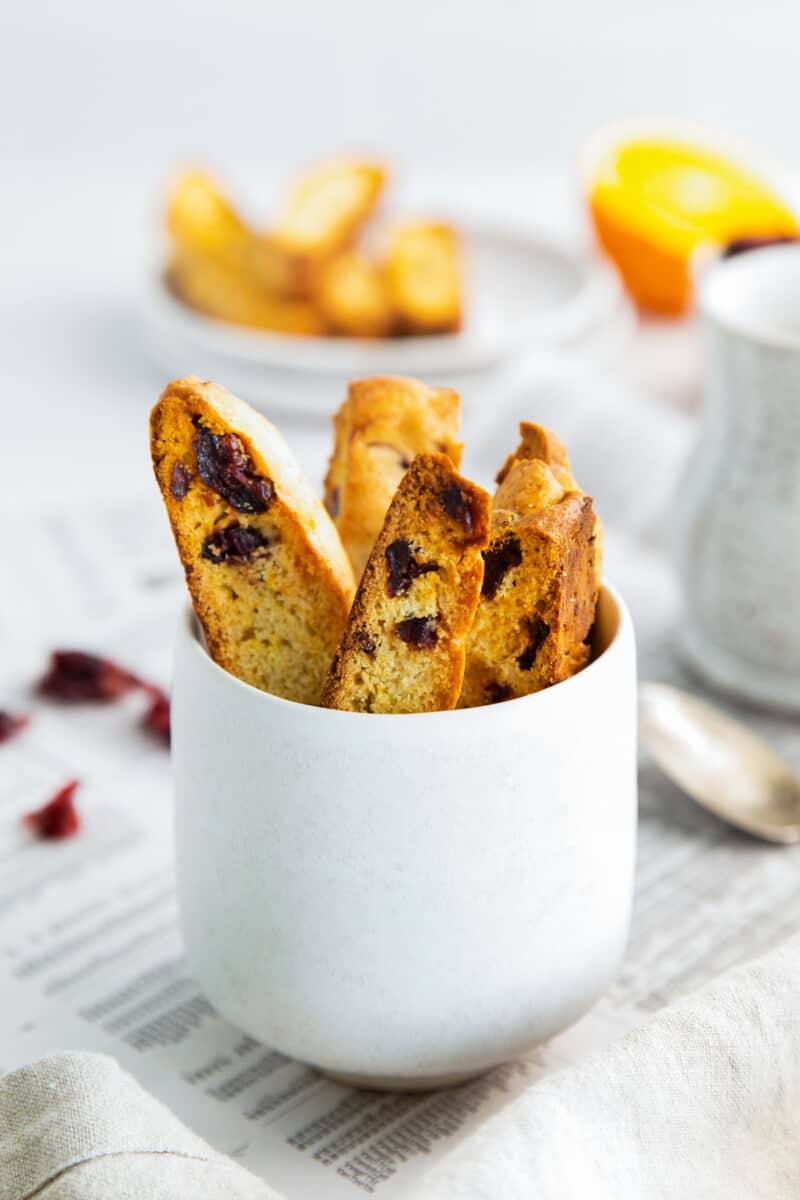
(738, 505)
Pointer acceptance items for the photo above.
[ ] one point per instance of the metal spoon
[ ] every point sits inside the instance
(720, 764)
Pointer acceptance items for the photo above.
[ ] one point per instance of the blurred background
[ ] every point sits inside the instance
(480, 109)
(483, 106)
(459, 82)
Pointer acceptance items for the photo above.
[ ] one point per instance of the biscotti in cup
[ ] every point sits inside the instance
(463, 600)
(269, 579)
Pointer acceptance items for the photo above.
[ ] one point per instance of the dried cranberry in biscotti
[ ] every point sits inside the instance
(460, 506)
(500, 558)
(418, 631)
(233, 543)
(403, 567)
(537, 632)
(179, 480)
(225, 466)
(367, 644)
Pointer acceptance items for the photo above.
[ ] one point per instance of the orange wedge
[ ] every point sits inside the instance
(654, 200)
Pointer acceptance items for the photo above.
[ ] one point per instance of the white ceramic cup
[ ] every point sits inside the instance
(406, 900)
(738, 504)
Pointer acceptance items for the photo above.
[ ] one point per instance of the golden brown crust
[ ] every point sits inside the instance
(230, 293)
(540, 584)
(351, 296)
(269, 579)
(200, 217)
(222, 266)
(327, 208)
(404, 646)
(538, 442)
(379, 429)
(541, 443)
(424, 276)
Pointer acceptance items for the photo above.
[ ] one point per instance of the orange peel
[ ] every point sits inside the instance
(655, 199)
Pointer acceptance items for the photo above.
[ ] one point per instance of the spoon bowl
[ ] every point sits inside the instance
(720, 764)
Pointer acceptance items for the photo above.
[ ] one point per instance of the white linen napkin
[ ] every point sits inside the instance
(703, 1101)
(78, 1127)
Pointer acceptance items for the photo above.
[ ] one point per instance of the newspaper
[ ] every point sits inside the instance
(90, 949)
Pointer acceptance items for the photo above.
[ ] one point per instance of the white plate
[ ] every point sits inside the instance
(525, 294)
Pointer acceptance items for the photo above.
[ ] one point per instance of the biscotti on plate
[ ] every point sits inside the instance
(424, 277)
(382, 425)
(540, 581)
(351, 296)
(327, 208)
(404, 646)
(269, 579)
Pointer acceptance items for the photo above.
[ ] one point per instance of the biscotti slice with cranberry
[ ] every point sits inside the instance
(269, 578)
(381, 426)
(539, 588)
(404, 647)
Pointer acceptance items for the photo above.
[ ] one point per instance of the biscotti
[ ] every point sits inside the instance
(540, 582)
(541, 443)
(424, 278)
(351, 296)
(384, 422)
(326, 209)
(229, 293)
(269, 579)
(404, 646)
(538, 442)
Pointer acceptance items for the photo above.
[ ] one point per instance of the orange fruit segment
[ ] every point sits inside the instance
(653, 201)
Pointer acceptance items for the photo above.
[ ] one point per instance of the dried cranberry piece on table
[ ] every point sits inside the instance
(76, 676)
(58, 818)
(10, 725)
(156, 719)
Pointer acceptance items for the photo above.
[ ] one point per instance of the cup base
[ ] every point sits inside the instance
(403, 1083)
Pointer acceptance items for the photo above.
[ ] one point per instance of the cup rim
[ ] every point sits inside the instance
(189, 630)
(713, 311)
